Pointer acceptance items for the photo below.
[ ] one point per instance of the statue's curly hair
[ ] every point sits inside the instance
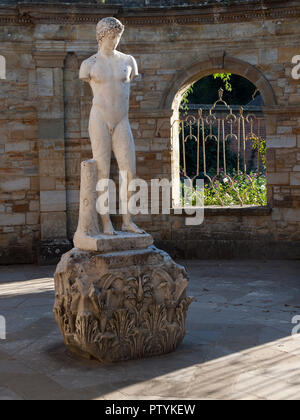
(108, 25)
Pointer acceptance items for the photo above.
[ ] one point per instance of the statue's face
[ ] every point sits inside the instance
(111, 41)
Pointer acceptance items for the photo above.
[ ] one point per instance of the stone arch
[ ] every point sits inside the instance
(185, 78)
(2, 67)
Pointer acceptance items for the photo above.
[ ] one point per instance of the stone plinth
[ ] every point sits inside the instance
(122, 305)
(123, 241)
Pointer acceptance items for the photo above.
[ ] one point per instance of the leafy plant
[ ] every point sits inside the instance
(185, 101)
(226, 78)
(236, 190)
(205, 90)
(260, 145)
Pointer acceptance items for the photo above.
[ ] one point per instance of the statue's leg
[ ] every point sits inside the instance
(101, 147)
(124, 150)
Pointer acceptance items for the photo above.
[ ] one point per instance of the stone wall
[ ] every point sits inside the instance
(19, 173)
(45, 111)
(139, 3)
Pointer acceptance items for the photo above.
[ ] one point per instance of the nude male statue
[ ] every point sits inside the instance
(109, 73)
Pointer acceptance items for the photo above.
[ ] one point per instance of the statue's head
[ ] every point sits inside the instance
(109, 30)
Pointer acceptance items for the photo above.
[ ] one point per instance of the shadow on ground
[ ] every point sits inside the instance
(238, 343)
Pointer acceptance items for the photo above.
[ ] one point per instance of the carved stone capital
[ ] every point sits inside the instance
(121, 306)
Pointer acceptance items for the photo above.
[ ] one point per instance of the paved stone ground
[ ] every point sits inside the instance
(238, 343)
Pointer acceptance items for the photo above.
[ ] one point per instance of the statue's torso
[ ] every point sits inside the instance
(109, 78)
(112, 70)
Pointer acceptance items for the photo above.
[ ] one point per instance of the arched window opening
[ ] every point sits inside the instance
(2, 67)
(220, 132)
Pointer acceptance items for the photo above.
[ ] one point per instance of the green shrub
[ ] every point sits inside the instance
(234, 190)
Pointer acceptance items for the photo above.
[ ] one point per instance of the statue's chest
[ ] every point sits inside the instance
(108, 71)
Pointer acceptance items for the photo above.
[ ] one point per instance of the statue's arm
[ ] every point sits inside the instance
(85, 69)
(135, 69)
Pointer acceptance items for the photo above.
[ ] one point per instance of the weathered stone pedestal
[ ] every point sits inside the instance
(122, 305)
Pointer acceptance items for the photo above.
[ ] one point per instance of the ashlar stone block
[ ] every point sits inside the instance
(295, 178)
(45, 82)
(53, 201)
(282, 141)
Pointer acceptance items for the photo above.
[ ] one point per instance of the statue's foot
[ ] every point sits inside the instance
(109, 230)
(132, 228)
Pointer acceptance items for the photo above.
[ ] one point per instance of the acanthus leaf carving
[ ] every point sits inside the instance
(122, 315)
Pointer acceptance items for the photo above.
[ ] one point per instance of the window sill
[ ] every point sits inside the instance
(231, 211)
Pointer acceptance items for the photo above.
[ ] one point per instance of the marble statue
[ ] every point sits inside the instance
(109, 73)
(117, 297)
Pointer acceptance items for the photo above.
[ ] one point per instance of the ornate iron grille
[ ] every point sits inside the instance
(227, 151)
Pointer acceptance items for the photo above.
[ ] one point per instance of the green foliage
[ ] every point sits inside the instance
(236, 190)
(242, 189)
(205, 91)
(228, 189)
(260, 145)
(233, 188)
(185, 101)
(225, 77)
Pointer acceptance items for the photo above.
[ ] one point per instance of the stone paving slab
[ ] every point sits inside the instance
(238, 344)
